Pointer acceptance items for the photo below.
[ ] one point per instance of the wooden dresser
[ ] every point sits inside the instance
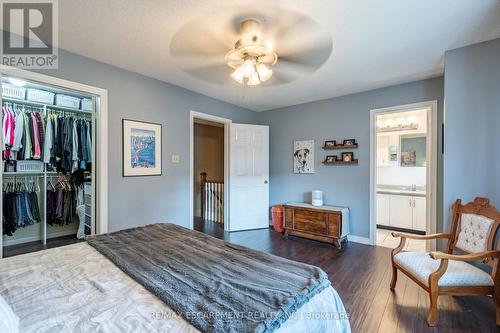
(324, 223)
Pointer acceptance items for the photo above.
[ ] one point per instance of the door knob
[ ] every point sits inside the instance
(265, 181)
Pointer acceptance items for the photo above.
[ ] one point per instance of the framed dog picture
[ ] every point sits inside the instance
(141, 148)
(347, 157)
(303, 156)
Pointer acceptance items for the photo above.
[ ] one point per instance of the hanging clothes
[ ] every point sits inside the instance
(61, 202)
(21, 208)
(7, 130)
(22, 133)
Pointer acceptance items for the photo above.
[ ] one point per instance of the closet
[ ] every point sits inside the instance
(48, 165)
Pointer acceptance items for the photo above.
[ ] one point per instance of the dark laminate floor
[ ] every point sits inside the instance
(361, 274)
(15, 250)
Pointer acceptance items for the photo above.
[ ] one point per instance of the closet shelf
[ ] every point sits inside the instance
(52, 106)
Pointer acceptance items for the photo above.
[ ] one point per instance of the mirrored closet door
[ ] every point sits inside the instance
(48, 166)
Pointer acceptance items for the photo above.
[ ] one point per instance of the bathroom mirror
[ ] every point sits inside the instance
(413, 150)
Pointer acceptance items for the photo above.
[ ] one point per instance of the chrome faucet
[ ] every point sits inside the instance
(413, 187)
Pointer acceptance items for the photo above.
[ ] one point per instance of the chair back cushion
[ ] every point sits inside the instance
(474, 232)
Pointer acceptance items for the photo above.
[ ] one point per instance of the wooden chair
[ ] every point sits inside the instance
(471, 238)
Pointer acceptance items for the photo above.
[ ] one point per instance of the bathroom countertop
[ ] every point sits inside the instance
(402, 190)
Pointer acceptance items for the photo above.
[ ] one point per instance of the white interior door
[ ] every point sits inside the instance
(248, 177)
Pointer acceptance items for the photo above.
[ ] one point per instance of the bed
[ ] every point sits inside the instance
(78, 288)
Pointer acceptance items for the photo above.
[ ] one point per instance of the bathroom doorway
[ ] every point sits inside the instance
(403, 174)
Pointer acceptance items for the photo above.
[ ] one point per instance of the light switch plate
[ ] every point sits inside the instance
(176, 158)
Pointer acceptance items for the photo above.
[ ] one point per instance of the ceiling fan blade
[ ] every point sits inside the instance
(197, 40)
(218, 74)
(281, 77)
(313, 57)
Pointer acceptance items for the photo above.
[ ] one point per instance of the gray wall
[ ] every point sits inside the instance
(338, 118)
(472, 127)
(140, 200)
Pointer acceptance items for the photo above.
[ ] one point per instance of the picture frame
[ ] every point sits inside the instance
(331, 159)
(349, 142)
(303, 156)
(347, 157)
(141, 148)
(330, 144)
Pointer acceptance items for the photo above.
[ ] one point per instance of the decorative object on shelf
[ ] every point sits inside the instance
(347, 157)
(331, 159)
(303, 156)
(330, 144)
(317, 198)
(349, 142)
(141, 148)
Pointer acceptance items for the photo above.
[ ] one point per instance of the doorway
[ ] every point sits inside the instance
(403, 174)
(208, 149)
(209, 171)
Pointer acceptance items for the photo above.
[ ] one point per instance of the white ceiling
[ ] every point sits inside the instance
(375, 43)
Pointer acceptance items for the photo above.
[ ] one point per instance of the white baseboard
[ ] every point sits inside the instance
(358, 239)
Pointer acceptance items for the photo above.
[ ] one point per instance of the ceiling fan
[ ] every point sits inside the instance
(273, 47)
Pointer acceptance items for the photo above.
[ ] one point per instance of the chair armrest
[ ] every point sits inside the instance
(465, 257)
(419, 237)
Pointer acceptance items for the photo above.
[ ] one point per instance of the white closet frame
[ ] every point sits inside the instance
(100, 182)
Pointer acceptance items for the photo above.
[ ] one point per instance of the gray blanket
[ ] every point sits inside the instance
(214, 285)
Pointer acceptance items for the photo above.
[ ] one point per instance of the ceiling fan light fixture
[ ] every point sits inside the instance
(247, 69)
(237, 76)
(251, 56)
(264, 72)
(254, 80)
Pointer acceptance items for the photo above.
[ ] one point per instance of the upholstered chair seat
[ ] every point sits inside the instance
(459, 273)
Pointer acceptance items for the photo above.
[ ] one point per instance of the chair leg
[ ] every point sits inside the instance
(394, 277)
(433, 310)
(496, 297)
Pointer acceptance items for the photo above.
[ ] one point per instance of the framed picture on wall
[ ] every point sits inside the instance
(303, 156)
(141, 142)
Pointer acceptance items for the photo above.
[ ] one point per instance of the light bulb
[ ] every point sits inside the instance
(247, 69)
(254, 79)
(264, 72)
(17, 82)
(238, 76)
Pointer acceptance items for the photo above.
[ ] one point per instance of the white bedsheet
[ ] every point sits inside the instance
(76, 289)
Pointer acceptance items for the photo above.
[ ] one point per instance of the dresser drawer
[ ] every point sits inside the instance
(310, 221)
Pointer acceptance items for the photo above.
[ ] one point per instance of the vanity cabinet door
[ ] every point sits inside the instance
(401, 211)
(419, 213)
(383, 206)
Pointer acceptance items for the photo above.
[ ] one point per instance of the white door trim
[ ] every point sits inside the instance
(101, 150)
(431, 177)
(226, 122)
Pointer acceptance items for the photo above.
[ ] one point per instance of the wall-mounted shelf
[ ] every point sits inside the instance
(355, 161)
(340, 147)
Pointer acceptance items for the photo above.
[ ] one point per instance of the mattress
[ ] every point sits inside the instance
(76, 289)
